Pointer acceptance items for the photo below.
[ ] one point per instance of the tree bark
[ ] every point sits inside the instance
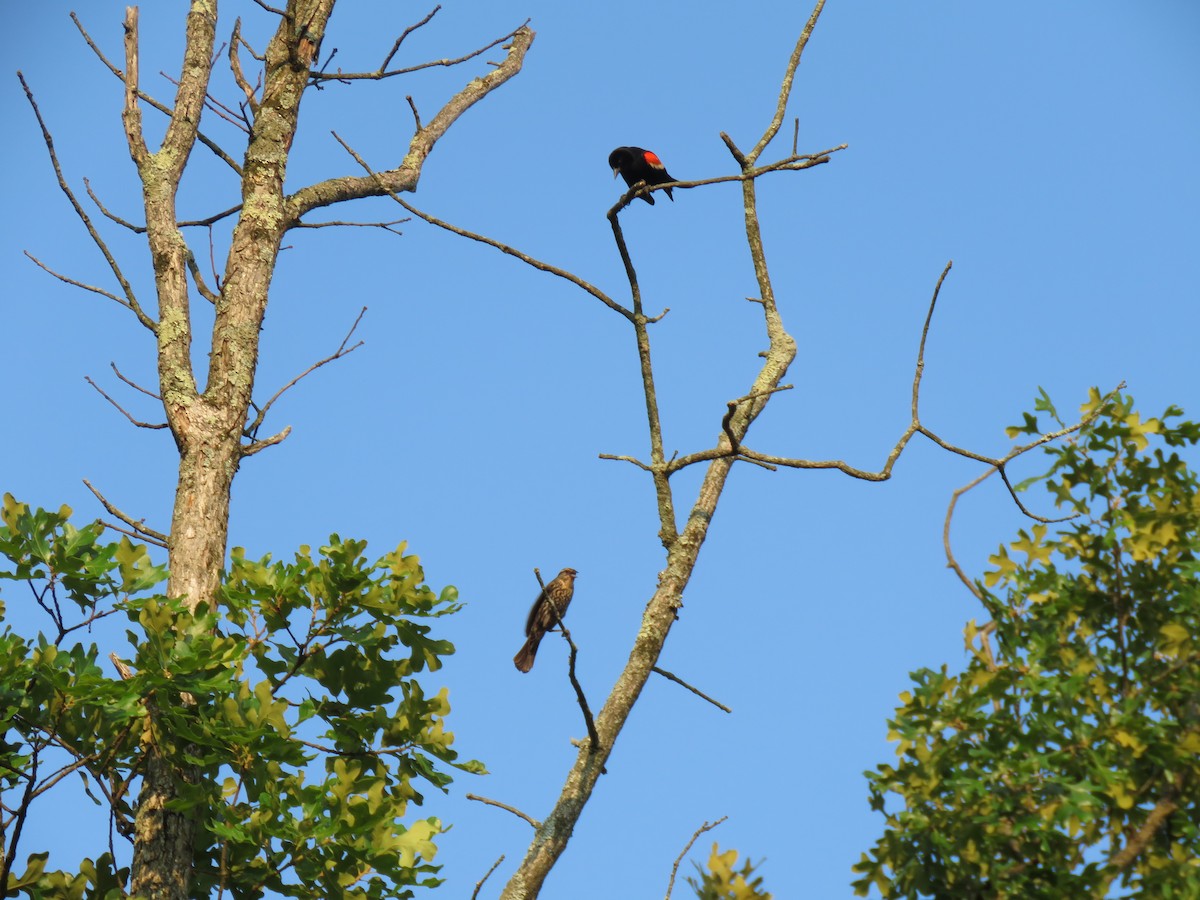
(208, 425)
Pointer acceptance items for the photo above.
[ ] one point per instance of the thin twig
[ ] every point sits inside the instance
(146, 98)
(271, 9)
(479, 883)
(138, 525)
(136, 229)
(380, 74)
(71, 281)
(153, 426)
(251, 430)
(951, 562)
(135, 385)
(130, 302)
(503, 248)
(219, 109)
(707, 826)
(629, 459)
(512, 809)
(386, 226)
(699, 693)
(128, 532)
(407, 31)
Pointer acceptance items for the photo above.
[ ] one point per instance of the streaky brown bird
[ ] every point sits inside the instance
(554, 596)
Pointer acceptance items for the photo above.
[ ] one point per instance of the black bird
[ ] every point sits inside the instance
(635, 164)
(541, 617)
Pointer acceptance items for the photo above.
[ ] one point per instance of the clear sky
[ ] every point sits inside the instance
(1049, 149)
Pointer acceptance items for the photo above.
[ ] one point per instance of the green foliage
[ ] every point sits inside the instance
(720, 881)
(1065, 760)
(294, 698)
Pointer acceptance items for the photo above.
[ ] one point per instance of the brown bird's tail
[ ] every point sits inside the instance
(525, 656)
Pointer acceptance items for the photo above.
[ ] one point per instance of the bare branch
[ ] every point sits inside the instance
(588, 721)
(629, 459)
(794, 163)
(134, 384)
(74, 283)
(920, 368)
(219, 109)
(251, 430)
(407, 31)
(382, 71)
(404, 177)
(146, 98)
(707, 826)
(951, 562)
(732, 406)
(255, 446)
(131, 114)
(785, 89)
(153, 426)
(198, 278)
(235, 64)
(479, 883)
(130, 302)
(416, 115)
(512, 809)
(503, 248)
(271, 9)
(211, 220)
(699, 693)
(386, 226)
(138, 525)
(136, 229)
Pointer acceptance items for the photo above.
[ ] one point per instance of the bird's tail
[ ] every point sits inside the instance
(525, 656)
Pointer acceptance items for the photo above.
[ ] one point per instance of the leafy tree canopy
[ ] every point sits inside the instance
(295, 700)
(1064, 760)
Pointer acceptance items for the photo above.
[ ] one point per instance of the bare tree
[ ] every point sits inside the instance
(683, 543)
(216, 427)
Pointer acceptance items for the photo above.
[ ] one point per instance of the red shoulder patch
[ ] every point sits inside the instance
(652, 158)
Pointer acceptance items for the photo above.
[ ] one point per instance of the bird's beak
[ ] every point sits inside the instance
(616, 172)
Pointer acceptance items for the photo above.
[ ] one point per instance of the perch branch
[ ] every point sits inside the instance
(583, 704)
(503, 248)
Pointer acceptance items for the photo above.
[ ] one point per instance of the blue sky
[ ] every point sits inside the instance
(1048, 149)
